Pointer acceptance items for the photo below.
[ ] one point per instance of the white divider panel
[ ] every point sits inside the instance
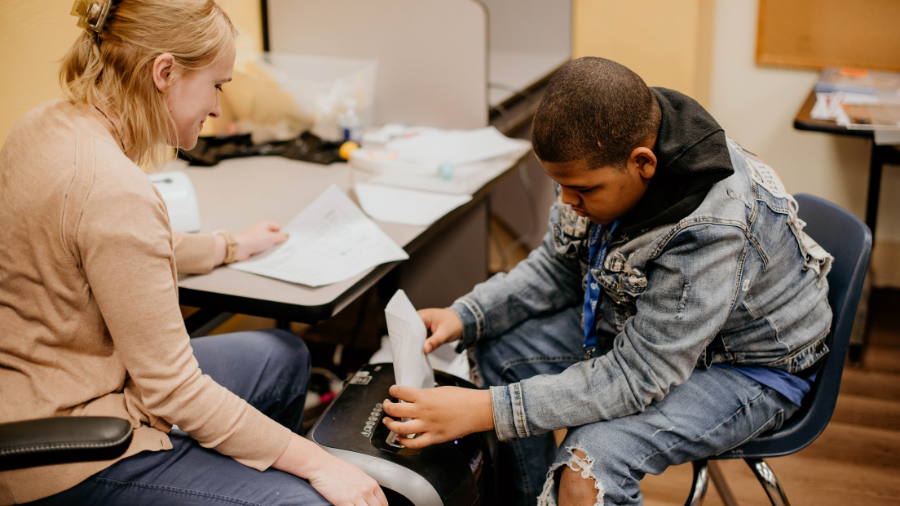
(529, 39)
(432, 54)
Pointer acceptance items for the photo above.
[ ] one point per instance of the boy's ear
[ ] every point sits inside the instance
(643, 159)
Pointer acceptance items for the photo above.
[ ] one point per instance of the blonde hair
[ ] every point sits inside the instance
(112, 69)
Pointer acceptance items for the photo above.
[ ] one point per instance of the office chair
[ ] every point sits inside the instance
(61, 440)
(849, 240)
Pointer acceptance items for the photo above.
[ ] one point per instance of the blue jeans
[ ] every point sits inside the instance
(713, 411)
(270, 370)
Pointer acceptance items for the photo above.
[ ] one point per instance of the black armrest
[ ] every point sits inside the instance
(62, 439)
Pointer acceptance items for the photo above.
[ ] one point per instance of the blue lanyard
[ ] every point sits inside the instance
(592, 291)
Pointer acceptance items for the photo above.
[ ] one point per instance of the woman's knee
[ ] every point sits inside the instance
(287, 353)
(275, 354)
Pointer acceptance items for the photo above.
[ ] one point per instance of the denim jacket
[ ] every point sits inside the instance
(736, 281)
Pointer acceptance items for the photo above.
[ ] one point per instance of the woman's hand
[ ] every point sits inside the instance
(444, 325)
(438, 414)
(343, 484)
(258, 238)
(340, 482)
(255, 239)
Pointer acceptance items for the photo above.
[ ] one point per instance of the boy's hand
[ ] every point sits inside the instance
(438, 414)
(444, 326)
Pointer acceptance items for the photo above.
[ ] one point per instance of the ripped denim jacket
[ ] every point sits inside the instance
(736, 281)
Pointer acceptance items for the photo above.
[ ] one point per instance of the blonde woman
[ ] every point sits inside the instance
(89, 316)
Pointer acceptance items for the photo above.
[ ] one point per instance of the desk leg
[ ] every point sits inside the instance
(880, 156)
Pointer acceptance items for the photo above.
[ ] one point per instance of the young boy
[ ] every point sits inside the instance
(674, 311)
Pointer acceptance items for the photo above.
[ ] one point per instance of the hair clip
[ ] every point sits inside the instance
(91, 9)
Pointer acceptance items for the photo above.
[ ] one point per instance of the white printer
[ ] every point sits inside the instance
(178, 193)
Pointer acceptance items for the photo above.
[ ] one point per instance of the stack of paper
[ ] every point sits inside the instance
(407, 333)
(330, 241)
(860, 99)
(857, 80)
(439, 161)
(422, 150)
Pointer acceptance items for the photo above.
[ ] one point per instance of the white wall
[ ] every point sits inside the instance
(756, 105)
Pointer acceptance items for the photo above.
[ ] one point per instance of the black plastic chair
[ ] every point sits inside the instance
(849, 240)
(62, 439)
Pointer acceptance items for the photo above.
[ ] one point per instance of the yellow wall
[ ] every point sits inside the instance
(35, 35)
(667, 42)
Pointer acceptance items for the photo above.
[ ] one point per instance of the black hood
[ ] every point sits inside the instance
(691, 154)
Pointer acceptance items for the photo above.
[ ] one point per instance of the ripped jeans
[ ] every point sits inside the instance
(713, 411)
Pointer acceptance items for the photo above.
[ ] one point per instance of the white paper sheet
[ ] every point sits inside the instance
(407, 333)
(444, 359)
(330, 241)
(409, 207)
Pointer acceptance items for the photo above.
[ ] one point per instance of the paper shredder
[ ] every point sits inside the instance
(455, 473)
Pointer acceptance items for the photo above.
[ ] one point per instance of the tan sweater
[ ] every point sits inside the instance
(89, 316)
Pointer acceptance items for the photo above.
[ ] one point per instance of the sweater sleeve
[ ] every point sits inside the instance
(194, 253)
(125, 250)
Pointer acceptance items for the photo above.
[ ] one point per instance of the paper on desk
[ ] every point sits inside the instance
(456, 146)
(421, 150)
(409, 207)
(829, 106)
(330, 241)
(407, 333)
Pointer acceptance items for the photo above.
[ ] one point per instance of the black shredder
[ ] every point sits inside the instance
(445, 474)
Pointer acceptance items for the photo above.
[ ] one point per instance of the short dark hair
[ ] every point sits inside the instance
(596, 110)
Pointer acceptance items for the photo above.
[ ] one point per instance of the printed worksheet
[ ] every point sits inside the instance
(330, 241)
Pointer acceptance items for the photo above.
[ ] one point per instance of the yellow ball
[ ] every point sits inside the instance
(347, 148)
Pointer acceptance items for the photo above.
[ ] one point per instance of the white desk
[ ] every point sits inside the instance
(237, 193)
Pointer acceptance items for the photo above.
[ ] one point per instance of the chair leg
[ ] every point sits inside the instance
(700, 483)
(767, 478)
(718, 480)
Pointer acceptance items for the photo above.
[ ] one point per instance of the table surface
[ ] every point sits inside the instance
(239, 192)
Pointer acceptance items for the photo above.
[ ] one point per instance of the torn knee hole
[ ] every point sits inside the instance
(577, 483)
(581, 465)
